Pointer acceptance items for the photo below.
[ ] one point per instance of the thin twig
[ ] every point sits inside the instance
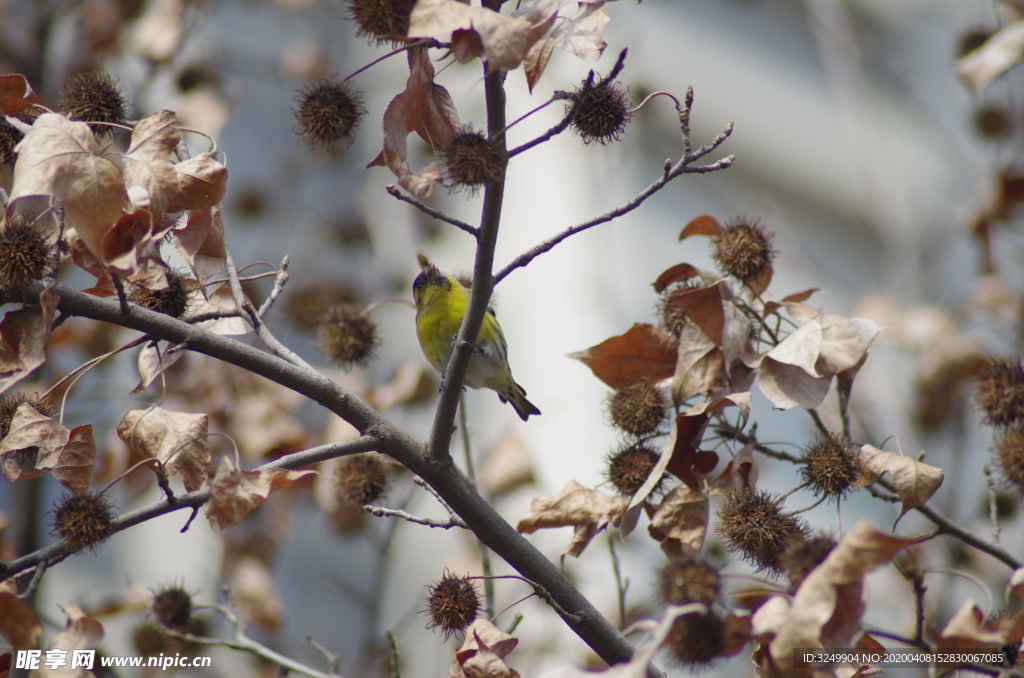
(563, 125)
(122, 298)
(620, 585)
(261, 329)
(381, 512)
(243, 643)
(394, 655)
(670, 172)
(393, 191)
(485, 555)
(333, 660)
(993, 509)
(280, 280)
(422, 483)
(422, 42)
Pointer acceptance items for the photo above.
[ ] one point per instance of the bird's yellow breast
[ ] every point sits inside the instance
(439, 314)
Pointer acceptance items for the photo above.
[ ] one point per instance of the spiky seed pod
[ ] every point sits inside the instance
(803, 555)
(382, 20)
(149, 640)
(95, 96)
(972, 39)
(754, 525)
(638, 408)
(172, 607)
(992, 122)
(362, 478)
(999, 391)
(348, 335)
(10, 403)
(472, 160)
(688, 580)
(10, 136)
(1010, 455)
(671, 317)
(830, 465)
(696, 639)
(26, 252)
(452, 604)
(629, 467)
(329, 112)
(83, 521)
(603, 113)
(744, 249)
(173, 300)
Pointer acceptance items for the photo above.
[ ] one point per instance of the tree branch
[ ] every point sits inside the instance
(379, 434)
(441, 216)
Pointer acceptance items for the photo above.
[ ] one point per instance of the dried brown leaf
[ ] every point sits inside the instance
(678, 273)
(235, 493)
(81, 632)
(1000, 52)
(827, 607)
(483, 652)
(199, 183)
(153, 360)
(15, 94)
(680, 457)
(915, 482)
(502, 40)
(845, 341)
(968, 629)
(705, 224)
(37, 445)
(788, 386)
(581, 36)
(642, 353)
(221, 300)
(425, 108)
(148, 166)
(709, 407)
(703, 305)
(200, 242)
(681, 522)
(699, 366)
(18, 623)
(23, 335)
(587, 510)
(739, 475)
(62, 158)
(177, 439)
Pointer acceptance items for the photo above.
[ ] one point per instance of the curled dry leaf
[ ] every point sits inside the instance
(681, 522)
(425, 108)
(200, 242)
(582, 36)
(15, 94)
(772, 305)
(153, 360)
(81, 632)
(677, 273)
(705, 224)
(587, 510)
(915, 482)
(969, 629)
(642, 353)
(37, 445)
(709, 407)
(18, 623)
(797, 372)
(477, 31)
(699, 366)
(235, 493)
(827, 608)
(177, 439)
(221, 300)
(703, 305)
(23, 335)
(483, 652)
(1004, 49)
(61, 158)
(739, 475)
(680, 457)
(1015, 584)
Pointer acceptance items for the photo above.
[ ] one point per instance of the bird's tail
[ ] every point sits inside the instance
(523, 407)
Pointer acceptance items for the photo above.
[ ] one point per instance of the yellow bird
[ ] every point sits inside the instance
(441, 303)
